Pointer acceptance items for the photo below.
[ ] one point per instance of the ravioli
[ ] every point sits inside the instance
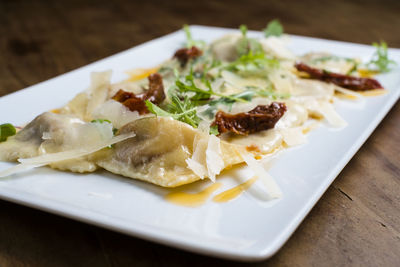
(159, 152)
(51, 133)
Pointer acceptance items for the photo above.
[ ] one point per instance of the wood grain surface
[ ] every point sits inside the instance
(356, 222)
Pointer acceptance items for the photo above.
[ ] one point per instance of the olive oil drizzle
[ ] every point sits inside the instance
(192, 199)
(234, 192)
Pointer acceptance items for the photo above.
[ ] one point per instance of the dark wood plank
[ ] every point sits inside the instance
(357, 221)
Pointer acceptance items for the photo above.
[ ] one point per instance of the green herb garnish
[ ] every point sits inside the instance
(243, 29)
(252, 64)
(380, 60)
(6, 130)
(185, 96)
(245, 96)
(181, 110)
(200, 94)
(245, 44)
(189, 39)
(214, 130)
(100, 121)
(274, 28)
(209, 65)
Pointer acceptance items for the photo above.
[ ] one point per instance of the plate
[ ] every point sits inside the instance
(243, 229)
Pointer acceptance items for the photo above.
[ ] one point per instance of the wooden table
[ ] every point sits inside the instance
(356, 222)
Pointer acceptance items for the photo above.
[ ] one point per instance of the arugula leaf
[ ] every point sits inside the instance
(189, 39)
(153, 108)
(208, 65)
(6, 130)
(185, 96)
(200, 94)
(189, 86)
(380, 60)
(252, 64)
(214, 130)
(245, 44)
(247, 96)
(100, 121)
(273, 28)
(179, 110)
(243, 29)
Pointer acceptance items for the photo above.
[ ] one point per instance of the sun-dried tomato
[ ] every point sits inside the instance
(262, 117)
(184, 54)
(345, 81)
(136, 104)
(155, 94)
(122, 96)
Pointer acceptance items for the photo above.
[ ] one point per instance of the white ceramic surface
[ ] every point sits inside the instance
(243, 229)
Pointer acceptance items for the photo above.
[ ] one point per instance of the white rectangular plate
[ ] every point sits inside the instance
(243, 229)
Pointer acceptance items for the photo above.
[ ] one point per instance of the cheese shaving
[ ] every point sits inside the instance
(215, 163)
(206, 160)
(98, 91)
(353, 95)
(118, 114)
(271, 187)
(197, 163)
(331, 115)
(277, 47)
(293, 136)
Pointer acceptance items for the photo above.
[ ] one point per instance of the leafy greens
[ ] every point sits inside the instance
(380, 60)
(274, 28)
(6, 130)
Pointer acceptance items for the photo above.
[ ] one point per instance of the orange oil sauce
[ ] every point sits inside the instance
(234, 192)
(138, 74)
(56, 111)
(192, 199)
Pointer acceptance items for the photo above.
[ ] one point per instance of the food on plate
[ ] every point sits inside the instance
(207, 108)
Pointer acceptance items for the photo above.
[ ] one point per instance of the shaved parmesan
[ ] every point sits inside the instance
(118, 114)
(197, 163)
(207, 159)
(215, 162)
(329, 62)
(271, 187)
(295, 115)
(282, 81)
(239, 82)
(293, 136)
(353, 95)
(98, 92)
(331, 115)
(312, 88)
(276, 46)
